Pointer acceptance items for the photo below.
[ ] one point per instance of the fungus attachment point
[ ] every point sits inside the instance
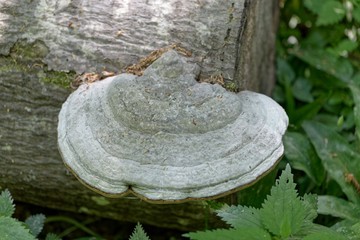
(165, 137)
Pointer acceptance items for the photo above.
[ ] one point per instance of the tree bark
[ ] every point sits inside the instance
(43, 43)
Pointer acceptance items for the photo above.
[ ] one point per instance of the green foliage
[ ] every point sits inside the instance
(7, 208)
(314, 5)
(338, 207)
(302, 156)
(241, 216)
(355, 90)
(35, 223)
(323, 103)
(331, 12)
(52, 236)
(11, 229)
(284, 215)
(139, 233)
(338, 156)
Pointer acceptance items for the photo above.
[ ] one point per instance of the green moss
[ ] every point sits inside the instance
(7, 64)
(231, 86)
(29, 52)
(61, 79)
(28, 58)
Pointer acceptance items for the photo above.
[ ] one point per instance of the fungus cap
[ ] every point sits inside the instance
(165, 137)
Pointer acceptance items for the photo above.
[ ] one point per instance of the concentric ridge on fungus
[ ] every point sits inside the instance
(166, 137)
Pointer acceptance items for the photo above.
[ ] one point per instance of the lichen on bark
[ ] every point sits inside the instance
(28, 58)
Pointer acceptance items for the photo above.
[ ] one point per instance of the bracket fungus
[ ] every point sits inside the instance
(165, 137)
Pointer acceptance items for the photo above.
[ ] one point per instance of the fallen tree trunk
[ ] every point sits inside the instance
(43, 44)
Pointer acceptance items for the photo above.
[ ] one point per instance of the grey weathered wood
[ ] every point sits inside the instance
(232, 38)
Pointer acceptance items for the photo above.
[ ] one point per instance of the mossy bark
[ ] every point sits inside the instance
(44, 43)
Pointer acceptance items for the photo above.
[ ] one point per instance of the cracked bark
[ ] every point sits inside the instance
(41, 39)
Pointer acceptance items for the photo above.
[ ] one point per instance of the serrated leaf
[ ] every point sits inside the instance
(52, 236)
(11, 229)
(7, 208)
(302, 156)
(139, 233)
(337, 156)
(240, 216)
(35, 223)
(244, 233)
(331, 12)
(310, 202)
(337, 207)
(283, 212)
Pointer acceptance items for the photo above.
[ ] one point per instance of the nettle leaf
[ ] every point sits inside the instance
(302, 156)
(52, 236)
(240, 216)
(310, 202)
(283, 212)
(35, 223)
(11, 229)
(331, 12)
(310, 205)
(7, 208)
(139, 233)
(243, 233)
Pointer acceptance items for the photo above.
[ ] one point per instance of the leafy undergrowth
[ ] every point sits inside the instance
(11, 228)
(139, 233)
(318, 72)
(69, 226)
(284, 215)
